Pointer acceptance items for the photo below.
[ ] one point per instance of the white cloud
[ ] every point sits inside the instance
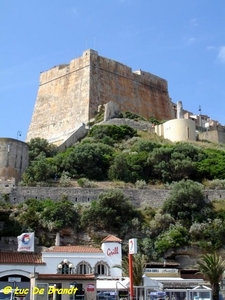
(221, 54)
(210, 48)
(193, 23)
(191, 41)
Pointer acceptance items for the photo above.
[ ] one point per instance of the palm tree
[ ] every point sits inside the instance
(212, 266)
(138, 264)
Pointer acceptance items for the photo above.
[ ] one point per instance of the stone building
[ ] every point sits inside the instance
(13, 162)
(191, 127)
(69, 95)
(179, 129)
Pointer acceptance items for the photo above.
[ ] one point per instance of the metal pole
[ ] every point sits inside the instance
(131, 277)
(19, 133)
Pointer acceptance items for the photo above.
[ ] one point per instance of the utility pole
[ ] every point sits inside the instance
(132, 250)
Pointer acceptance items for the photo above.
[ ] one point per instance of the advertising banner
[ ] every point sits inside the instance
(26, 242)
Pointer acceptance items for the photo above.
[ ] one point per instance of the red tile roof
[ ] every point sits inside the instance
(111, 238)
(21, 258)
(74, 249)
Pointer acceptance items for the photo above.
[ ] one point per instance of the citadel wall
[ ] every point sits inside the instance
(13, 161)
(214, 136)
(151, 197)
(62, 103)
(70, 94)
(139, 92)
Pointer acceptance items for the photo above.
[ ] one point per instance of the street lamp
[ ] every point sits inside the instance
(19, 133)
(71, 268)
(60, 268)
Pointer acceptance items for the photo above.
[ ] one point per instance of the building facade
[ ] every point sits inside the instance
(63, 267)
(177, 130)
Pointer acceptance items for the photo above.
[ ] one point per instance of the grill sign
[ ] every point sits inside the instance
(114, 251)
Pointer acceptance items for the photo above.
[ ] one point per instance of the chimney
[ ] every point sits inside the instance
(180, 112)
(57, 239)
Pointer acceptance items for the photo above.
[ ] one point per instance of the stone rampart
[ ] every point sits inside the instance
(13, 161)
(62, 103)
(215, 136)
(138, 92)
(152, 197)
(70, 95)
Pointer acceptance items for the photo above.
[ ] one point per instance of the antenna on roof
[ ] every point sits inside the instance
(200, 118)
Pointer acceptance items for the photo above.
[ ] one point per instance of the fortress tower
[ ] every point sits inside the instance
(13, 162)
(69, 95)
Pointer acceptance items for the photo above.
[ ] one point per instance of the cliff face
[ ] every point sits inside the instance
(69, 95)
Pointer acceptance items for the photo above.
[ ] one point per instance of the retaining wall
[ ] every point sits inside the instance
(153, 197)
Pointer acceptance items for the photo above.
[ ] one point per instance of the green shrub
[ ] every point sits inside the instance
(86, 183)
(65, 179)
(154, 121)
(216, 184)
(132, 116)
(114, 132)
(112, 211)
(89, 160)
(175, 237)
(208, 235)
(140, 184)
(185, 201)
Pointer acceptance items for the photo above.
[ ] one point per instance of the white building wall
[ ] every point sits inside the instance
(22, 269)
(159, 130)
(113, 256)
(180, 130)
(52, 259)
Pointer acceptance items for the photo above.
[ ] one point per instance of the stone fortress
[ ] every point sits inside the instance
(13, 162)
(69, 97)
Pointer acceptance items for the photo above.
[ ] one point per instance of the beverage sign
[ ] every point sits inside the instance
(132, 246)
(113, 251)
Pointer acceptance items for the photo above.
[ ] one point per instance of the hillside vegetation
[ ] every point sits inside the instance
(121, 154)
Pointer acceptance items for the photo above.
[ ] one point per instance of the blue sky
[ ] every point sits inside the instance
(180, 41)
